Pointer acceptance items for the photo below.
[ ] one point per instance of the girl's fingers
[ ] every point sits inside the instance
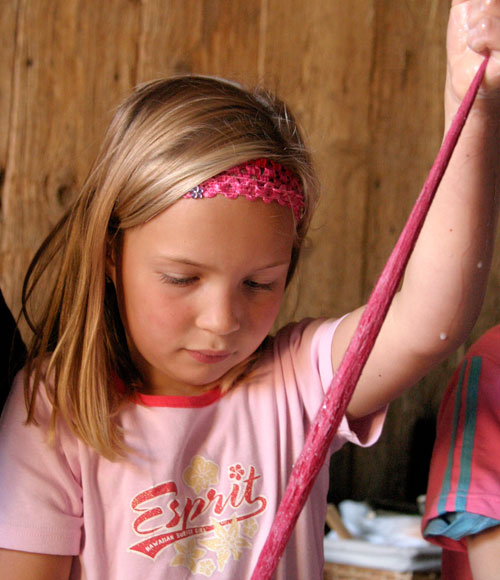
(483, 25)
(474, 30)
(479, 8)
(485, 35)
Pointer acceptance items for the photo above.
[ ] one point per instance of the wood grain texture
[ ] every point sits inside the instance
(70, 68)
(213, 37)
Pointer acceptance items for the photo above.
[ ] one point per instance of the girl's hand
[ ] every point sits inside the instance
(473, 32)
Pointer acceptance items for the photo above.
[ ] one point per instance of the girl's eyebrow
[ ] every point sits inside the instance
(188, 262)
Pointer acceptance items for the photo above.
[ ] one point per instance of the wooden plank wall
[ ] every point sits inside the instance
(365, 79)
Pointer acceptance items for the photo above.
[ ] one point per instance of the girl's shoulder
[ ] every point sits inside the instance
(305, 336)
(300, 348)
(18, 395)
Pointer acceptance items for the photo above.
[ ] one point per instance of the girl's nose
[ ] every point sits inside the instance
(219, 314)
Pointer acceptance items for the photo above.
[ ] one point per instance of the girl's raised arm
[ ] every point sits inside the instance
(445, 281)
(26, 565)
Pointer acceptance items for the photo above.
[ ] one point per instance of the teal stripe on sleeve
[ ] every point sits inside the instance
(469, 431)
(446, 485)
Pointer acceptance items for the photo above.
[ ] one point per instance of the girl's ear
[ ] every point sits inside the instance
(111, 271)
(112, 259)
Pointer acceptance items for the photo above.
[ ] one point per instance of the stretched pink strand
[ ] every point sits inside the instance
(340, 390)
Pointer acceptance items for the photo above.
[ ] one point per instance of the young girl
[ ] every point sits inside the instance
(162, 422)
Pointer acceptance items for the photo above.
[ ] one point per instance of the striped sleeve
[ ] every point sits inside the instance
(463, 495)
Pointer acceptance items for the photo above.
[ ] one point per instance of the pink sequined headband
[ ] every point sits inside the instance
(258, 179)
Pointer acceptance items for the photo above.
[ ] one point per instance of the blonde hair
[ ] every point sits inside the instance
(167, 137)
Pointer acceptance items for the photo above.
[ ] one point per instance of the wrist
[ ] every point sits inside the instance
(484, 115)
(486, 105)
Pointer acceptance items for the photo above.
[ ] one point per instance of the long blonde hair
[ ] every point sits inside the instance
(166, 138)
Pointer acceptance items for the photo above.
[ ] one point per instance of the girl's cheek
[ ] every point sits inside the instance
(269, 311)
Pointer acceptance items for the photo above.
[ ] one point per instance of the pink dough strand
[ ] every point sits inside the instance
(344, 382)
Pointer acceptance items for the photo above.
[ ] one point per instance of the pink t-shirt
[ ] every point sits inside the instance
(198, 497)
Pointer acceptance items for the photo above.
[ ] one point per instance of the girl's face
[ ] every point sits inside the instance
(201, 285)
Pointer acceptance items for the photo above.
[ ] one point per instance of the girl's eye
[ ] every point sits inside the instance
(258, 285)
(178, 281)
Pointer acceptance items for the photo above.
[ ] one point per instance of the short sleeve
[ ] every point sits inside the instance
(364, 431)
(40, 496)
(309, 344)
(463, 495)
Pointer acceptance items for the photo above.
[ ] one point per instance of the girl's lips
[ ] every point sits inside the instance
(209, 356)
